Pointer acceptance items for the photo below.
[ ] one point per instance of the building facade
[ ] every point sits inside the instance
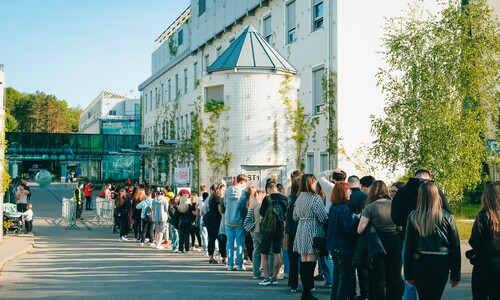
(302, 32)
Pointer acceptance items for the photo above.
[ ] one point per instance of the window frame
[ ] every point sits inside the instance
(316, 109)
(317, 19)
(268, 36)
(290, 32)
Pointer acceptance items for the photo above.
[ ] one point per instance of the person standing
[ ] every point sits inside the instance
(340, 232)
(136, 213)
(212, 220)
(22, 197)
(432, 245)
(122, 204)
(87, 192)
(385, 275)
(404, 202)
(291, 230)
(310, 212)
(173, 219)
(147, 219)
(185, 223)
(234, 205)
(278, 202)
(485, 241)
(78, 198)
(28, 219)
(160, 217)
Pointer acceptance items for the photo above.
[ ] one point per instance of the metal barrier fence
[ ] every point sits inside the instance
(68, 213)
(104, 210)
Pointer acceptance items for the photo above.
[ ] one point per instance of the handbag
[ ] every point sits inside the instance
(319, 243)
(472, 255)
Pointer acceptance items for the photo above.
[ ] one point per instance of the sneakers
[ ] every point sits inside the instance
(159, 247)
(229, 268)
(265, 281)
(258, 277)
(152, 245)
(280, 276)
(294, 290)
(164, 243)
(142, 244)
(240, 268)
(274, 281)
(146, 240)
(124, 238)
(319, 277)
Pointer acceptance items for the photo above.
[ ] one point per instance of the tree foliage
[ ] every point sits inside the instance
(39, 112)
(441, 85)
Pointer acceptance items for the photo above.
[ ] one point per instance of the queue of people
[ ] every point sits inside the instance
(360, 234)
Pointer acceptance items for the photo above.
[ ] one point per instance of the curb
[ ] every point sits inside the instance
(27, 249)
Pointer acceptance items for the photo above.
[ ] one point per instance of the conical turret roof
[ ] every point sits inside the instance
(251, 51)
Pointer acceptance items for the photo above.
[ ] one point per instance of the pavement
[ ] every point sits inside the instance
(90, 263)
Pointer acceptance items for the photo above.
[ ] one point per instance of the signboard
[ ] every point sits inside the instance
(253, 178)
(184, 190)
(181, 175)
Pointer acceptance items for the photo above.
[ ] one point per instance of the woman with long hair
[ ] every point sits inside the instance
(385, 274)
(291, 231)
(139, 195)
(432, 246)
(185, 223)
(485, 240)
(122, 204)
(340, 233)
(195, 229)
(253, 218)
(212, 222)
(310, 212)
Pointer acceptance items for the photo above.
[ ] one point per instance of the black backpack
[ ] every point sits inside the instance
(149, 214)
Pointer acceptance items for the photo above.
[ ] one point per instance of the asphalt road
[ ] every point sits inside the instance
(92, 263)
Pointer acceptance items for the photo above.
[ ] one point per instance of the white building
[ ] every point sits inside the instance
(111, 114)
(2, 137)
(303, 32)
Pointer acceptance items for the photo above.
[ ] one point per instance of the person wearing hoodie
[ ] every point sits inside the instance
(403, 203)
(147, 222)
(160, 217)
(234, 206)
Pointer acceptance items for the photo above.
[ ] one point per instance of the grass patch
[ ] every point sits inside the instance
(464, 229)
(466, 212)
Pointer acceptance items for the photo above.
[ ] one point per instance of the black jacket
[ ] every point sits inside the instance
(405, 201)
(291, 224)
(449, 243)
(279, 202)
(357, 200)
(368, 245)
(481, 237)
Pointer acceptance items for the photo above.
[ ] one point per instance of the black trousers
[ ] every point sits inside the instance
(385, 275)
(28, 226)
(485, 276)
(184, 232)
(88, 203)
(293, 261)
(147, 231)
(79, 209)
(137, 229)
(195, 233)
(124, 224)
(213, 235)
(343, 276)
(249, 245)
(431, 275)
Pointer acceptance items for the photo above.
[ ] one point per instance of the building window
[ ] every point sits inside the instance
(145, 103)
(231, 40)
(290, 21)
(187, 126)
(169, 91)
(215, 92)
(180, 37)
(177, 129)
(176, 86)
(185, 81)
(310, 163)
(202, 7)
(112, 112)
(162, 91)
(195, 75)
(323, 162)
(182, 126)
(268, 29)
(317, 14)
(218, 51)
(151, 100)
(157, 99)
(318, 90)
(207, 61)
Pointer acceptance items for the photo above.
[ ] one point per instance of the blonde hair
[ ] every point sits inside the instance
(183, 205)
(490, 203)
(429, 210)
(251, 194)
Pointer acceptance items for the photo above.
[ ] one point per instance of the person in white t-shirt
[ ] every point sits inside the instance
(28, 219)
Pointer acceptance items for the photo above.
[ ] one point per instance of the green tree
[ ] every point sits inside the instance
(441, 81)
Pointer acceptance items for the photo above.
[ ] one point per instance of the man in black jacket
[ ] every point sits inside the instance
(404, 202)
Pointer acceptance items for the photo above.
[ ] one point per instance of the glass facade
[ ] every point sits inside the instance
(85, 155)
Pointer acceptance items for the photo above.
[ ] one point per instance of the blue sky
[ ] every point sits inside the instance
(74, 49)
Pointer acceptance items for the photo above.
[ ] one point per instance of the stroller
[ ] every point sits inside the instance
(12, 219)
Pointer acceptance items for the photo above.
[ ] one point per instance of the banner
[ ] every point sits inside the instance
(181, 175)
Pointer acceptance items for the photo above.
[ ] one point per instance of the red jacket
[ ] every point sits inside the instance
(87, 190)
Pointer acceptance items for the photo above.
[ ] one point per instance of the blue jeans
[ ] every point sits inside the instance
(286, 262)
(175, 239)
(235, 233)
(325, 263)
(204, 237)
(410, 292)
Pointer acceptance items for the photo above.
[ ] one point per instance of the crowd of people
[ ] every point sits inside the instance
(367, 240)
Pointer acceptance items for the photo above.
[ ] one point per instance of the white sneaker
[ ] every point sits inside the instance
(124, 238)
(120, 239)
(175, 251)
(146, 240)
(152, 245)
(241, 268)
(159, 247)
(142, 244)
